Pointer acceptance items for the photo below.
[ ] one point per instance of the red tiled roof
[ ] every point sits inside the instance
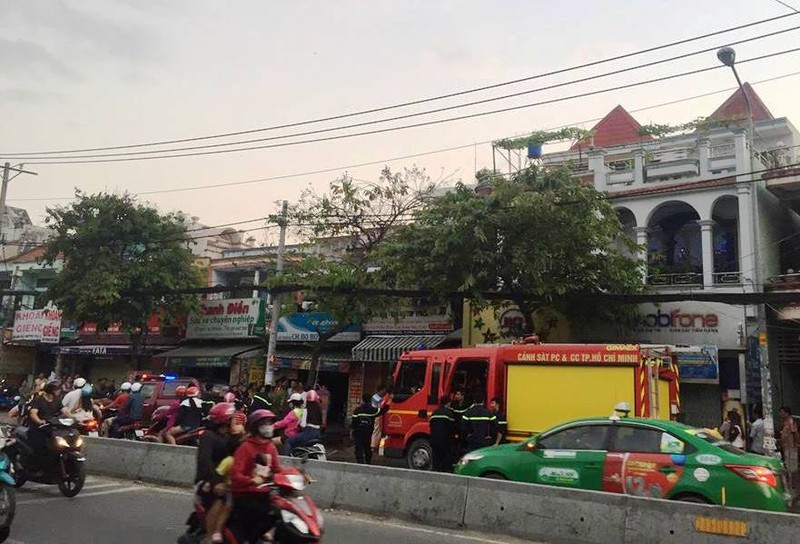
(735, 107)
(30, 256)
(616, 128)
(674, 188)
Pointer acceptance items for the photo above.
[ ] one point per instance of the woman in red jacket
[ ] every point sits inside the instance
(254, 463)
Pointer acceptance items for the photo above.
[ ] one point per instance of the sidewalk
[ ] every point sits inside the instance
(339, 446)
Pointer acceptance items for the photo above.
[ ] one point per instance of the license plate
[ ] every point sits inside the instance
(93, 433)
(139, 433)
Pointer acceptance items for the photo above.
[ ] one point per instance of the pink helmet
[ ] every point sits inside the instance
(258, 415)
(312, 396)
(222, 412)
(229, 397)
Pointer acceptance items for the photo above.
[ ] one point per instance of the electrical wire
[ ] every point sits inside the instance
(409, 115)
(414, 102)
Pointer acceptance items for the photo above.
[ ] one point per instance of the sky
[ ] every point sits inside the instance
(97, 73)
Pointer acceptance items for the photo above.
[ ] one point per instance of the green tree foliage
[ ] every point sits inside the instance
(542, 238)
(121, 259)
(342, 229)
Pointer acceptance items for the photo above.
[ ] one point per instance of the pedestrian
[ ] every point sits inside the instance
(262, 399)
(443, 434)
(377, 430)
(324, 404)
(478, 425)
(363, 423)
(735, 435)
(789, 443)
(496, 406)
(757, 431)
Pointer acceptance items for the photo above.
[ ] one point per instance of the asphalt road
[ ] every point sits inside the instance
(110, 510)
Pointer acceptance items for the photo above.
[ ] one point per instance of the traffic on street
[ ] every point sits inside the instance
(110, 510)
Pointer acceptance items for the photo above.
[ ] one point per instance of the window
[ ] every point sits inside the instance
(586, 437)
(643, 440)
(148, 390)
(410, 379)
(436, 379)
(470, 377)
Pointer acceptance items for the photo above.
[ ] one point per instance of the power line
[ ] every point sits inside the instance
(410, 115)
(414, 102)
(405, 157)
(428, 123)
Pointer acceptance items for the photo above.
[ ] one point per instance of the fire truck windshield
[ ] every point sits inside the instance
(410, 379)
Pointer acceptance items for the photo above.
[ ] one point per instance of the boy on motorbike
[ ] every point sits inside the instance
(212, 491)
(172, 412)
(248, 476)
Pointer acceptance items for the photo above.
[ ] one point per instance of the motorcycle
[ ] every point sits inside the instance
(158, 423)
(8, 496)
(312, 450)
(88, 427)
(300, 521)
(63, 463)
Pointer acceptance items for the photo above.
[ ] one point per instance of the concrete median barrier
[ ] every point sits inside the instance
(532, 512)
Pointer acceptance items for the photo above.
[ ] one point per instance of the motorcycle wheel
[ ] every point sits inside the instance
(18, 472)
(72, 484)
(8, 507)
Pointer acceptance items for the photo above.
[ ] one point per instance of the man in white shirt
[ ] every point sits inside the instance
(72, 400)
(757, 432)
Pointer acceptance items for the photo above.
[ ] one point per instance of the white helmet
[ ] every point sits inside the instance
(295, 397)
(126, 386)
(78, 383)
(136, 387)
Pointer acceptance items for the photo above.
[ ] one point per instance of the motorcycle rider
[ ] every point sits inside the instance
(291, 421)
(215, 445)
(132, 411)
(190, 415)
(172, 412)
(70, 403)
(43, 408)
(117, 404)
(311, 423)
(250, 495)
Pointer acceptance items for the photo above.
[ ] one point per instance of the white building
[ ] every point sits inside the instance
(707, 220)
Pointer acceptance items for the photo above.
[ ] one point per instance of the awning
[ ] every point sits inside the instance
(388, 349)
(102, 350)
(299, 358)
(209, 356)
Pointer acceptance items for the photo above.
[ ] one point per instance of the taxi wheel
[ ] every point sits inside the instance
(494, 476)
(696, 499)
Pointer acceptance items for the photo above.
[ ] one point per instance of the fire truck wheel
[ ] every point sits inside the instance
(420, 455)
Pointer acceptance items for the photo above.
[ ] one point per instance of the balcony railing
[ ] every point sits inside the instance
(683, 278)
(727, 278)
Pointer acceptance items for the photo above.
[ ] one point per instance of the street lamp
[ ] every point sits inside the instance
(727, 56)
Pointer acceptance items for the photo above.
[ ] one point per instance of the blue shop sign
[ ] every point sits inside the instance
(307, 327)
(698, 364)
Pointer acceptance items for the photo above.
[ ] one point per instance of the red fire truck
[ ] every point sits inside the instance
(541, 384)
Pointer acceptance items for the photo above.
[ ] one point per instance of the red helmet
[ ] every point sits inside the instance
(229, 397)
(180, 391)
(258, 415)
(221, 413)
(192, 391)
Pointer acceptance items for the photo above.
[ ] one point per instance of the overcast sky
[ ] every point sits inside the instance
(95, 73)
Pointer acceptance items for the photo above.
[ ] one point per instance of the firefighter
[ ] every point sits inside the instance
(363, 423)
(443, 433)
(478, 425)
(496, 406)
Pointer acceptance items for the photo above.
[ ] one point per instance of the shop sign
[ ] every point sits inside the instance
(691, 323)
(42, 325)
(230, 318)
(698, 364)
(307, 327)
(413, 324)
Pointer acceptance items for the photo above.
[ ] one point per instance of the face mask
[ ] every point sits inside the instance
(266, 431)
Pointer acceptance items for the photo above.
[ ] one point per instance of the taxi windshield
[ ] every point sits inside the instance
(712, 438)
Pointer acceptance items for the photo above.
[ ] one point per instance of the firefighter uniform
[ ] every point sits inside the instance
(479, 427)
(502, 426)
(363, 423)
(443, 432)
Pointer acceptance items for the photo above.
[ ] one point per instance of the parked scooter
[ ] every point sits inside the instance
(63, 462)
(299, 519)
(312, 450)
(8, 496)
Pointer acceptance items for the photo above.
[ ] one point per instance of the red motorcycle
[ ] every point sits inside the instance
(299, 519)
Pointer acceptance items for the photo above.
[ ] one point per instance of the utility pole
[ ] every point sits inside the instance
(269, 376)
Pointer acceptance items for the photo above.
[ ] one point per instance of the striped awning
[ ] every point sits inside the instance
(387, 349)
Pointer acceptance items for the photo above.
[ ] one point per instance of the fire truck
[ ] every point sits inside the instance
(541, 385)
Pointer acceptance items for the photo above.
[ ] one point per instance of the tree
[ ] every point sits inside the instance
(343, 228)
(542, 238)
(123, 262)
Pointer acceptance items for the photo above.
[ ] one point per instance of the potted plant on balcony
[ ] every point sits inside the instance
(536, 139)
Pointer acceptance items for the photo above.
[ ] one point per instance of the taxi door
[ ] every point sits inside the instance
(570, 457)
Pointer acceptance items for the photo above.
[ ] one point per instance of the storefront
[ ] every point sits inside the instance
(224, 343)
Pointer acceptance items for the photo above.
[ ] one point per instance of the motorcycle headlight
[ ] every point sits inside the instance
(294, 519)
(61, 442)
(468, 458)
(78, 441)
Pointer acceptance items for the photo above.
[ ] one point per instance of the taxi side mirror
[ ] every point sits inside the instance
(531, 446)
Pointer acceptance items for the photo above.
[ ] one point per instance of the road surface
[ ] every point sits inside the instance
(122, 512)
